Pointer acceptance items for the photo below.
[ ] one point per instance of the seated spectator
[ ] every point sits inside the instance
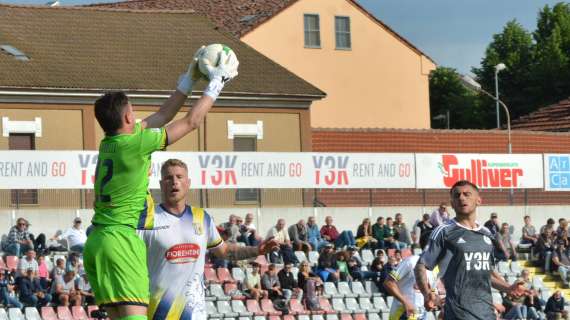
(364, 238)
(299, 237)
(398, 256)
(84, 289)
(506, 248)
(248, 232)
(440, 215)
(289, 284)
(65, 290)
(331, 234)
(31, 292)
(378, 232)
(7, 293)
(562, 226)
(380, 257)
(561, 261)
(531, 300)
(59, 270)
(342, 266)
(314, 235)
(252, 283)
(402, 230)
(555, 307)
(72, 263)
(493, 223)
(514, 308)
(355, 267)
(43, 272)
(391, 235)
(377, 266)
(270, 283)
(422, 231)
(28, 262)
(392, 264)
(326, 267)
(19, 239)
(549, 225)
(285, 252)
(529, 235)
(232, 229)
(311, 285)
(75, 236)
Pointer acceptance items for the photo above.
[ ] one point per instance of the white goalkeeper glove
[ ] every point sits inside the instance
(226, 70)
(193, 74)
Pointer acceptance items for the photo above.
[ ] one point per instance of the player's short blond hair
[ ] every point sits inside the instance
(172, 163)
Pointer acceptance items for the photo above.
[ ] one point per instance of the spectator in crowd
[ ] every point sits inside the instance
(545, 246)
(84, 289)
(331, 234)
(563, 238)
(311, 285)
(314, 235)
(392, 264)
(7, 293)
(253, 283)
(248, 232)
(75, 236)
(73, 263)
(391, 235)
(398, 256)
(402, 230)
(506, 249)
(59, 270)
(65, 290)
(549, 225)
(561, 261)
(440, 215)
(515, 308)
(493, 223)
(378, 232)
(380, 257)
(355, 264)
(31, 292)
(562, 226)
(270, 283)
(529, 235)
(285, 252)
(327, 268)
(232, 228)
(377, 266)
(299, 237)
(364, 238)
(422, 231)
(288, 283)
(28, 262)
(43, 272)
(19, 239)
(555, 307)
(342, 266)
(531, 300)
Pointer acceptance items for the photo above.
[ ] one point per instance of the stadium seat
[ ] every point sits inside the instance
(263, 318)
(295, 272)
(253, 307)
(389, 300)
(366, 305)
(302, 317)
(344, 289)
(313, 258)
(372, 289)
(231, 290)
(267, 307)
(352, 305)
(12, 263)
(516, 268)
(326, 306)
(318, 317)
(503, 268)
(301, 256)
(338, 305)
(380, 304)
(358, 289)
(367, 256)
(345, 316)
(48, 313)
(225, 308)
(407, 252)
(417, 251)
(331, 291)
(78, 313)
(296, 307)
(262, 260)
(430, 316)
(63, 313)
(285, 317)
(210, 275)
(2, 264)
(217, 292)
(239, 307)
(225, 276)
(32, 313)
(359, 316)
(89, 310)
(332, 317)
(3, 314)
(16, 314)
(212, 310)
(376, 316)
(238, 274)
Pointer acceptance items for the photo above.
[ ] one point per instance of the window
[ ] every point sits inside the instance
(342, 32)
(245, 144)
(312, 31)
(23, 141)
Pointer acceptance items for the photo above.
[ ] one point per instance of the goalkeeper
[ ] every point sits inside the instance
(114, 256)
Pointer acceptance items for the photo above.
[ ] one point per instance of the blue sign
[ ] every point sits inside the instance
(558, 172)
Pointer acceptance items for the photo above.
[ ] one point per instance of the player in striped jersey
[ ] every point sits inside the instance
(177, 238)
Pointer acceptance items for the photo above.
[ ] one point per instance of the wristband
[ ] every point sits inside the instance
(214, 88)
(185, 84)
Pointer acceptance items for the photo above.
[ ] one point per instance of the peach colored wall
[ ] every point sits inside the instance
(380, 82)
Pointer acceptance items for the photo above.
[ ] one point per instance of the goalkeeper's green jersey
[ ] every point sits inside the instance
(121, 177)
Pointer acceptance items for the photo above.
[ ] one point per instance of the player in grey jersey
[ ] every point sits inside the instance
(463, 250)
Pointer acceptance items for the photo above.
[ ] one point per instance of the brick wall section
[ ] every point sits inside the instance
(434, 141)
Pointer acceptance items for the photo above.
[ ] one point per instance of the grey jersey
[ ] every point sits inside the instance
(465, 259)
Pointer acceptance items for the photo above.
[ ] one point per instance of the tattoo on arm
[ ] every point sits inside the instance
(421, 278)
(498, 282)
(241, 253)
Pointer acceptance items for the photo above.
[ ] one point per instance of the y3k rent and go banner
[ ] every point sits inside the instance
(219, 170)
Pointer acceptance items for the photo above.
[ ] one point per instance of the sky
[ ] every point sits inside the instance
(454, 33)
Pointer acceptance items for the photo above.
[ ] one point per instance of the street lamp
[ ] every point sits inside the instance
(498, 68)
(475, 86)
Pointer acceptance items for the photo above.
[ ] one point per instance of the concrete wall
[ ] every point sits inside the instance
(49, 221)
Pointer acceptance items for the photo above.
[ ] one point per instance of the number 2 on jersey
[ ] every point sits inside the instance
(108, 163)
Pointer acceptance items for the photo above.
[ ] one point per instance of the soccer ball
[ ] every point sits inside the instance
(211, 56)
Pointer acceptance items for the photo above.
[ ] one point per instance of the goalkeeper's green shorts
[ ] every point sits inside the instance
(115, 262)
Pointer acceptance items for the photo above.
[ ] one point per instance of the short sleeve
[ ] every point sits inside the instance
(213, 236)
(434, 250)
(403, 270)
(151, 139)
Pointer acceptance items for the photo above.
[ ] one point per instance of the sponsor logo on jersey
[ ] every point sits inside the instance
(460, 240)
(183, 253)
(477, 261)
(487, 240)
